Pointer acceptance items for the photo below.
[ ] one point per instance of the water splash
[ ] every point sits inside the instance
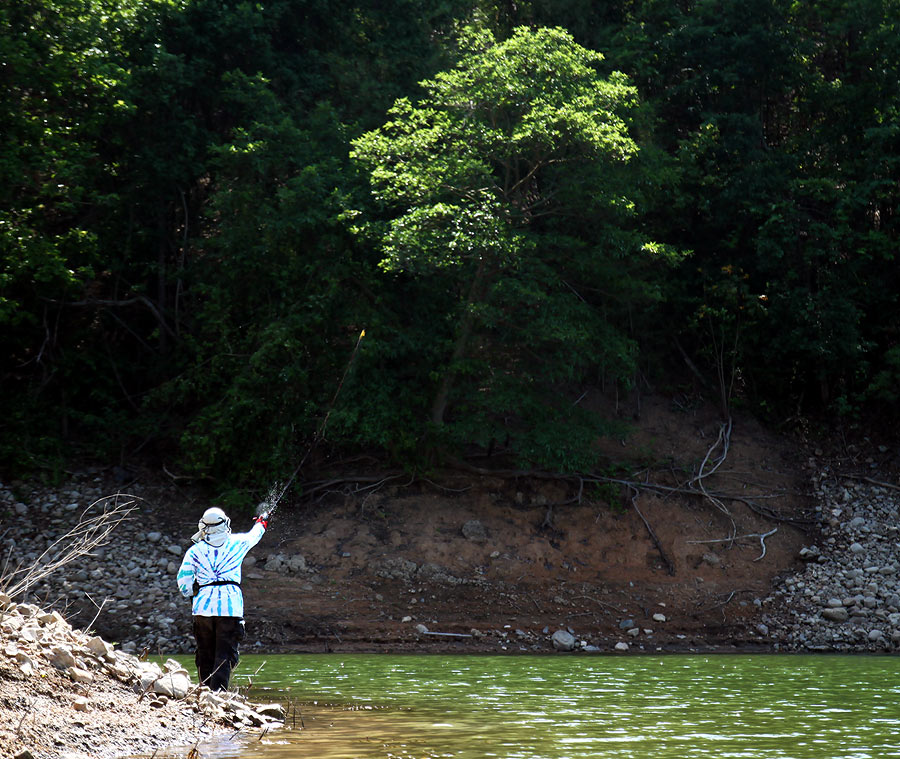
(270, 502)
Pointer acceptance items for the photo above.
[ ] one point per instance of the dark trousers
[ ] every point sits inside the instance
(217, 639)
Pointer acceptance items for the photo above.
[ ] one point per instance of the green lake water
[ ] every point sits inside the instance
(574, 707)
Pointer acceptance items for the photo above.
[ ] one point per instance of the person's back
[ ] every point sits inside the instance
(211, 573)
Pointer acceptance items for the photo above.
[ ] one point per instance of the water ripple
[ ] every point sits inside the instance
(559, 707)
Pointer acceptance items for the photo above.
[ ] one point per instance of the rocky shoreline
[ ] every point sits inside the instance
(126, 586)
(847, 598)
(66, 693)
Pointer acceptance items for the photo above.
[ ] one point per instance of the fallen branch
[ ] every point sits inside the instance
(728, 600)
(871, 481)
(762, 540)
(603, 603)
(715, 497)
(762, 543)
(682, 490)
(724, 440)
(773, 515)
(729, 540)
(445, 488)
(376, 482)
(448, 635)
(186, 478)
(696, 486)
(725, 602)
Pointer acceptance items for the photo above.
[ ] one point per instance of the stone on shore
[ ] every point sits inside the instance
(563, 640)
(173, 685)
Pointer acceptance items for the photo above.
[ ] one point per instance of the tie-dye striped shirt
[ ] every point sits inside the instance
(207, 564)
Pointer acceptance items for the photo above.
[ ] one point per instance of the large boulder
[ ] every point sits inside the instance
(475, 531)
(173, 685)
(837, 614)
(101, 648)
(272, 711)
(62, 657)
(563, 640)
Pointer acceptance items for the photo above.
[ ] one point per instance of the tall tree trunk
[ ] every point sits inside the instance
(161, 280)
(439, 405)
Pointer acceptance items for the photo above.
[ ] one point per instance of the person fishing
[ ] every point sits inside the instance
(211, 573)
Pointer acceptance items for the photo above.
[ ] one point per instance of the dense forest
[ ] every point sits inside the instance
(235, 232)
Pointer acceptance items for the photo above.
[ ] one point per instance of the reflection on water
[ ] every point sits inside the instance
(567, 707)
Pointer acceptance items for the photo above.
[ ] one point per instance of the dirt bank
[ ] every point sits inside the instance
(53, 716)
(509, 559)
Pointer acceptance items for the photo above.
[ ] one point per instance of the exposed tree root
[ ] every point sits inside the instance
(670, 567)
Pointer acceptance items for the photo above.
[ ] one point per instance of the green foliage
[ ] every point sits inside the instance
(61, 90)
(29, 444)
(885, 385)
(63, 93)
(607, 493)
(480, 177)
(270, 277)
(772, 112)
(188, 253)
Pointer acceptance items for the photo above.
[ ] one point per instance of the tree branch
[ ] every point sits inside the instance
(141, 299)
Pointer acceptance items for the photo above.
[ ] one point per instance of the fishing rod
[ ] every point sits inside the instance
(265, 507)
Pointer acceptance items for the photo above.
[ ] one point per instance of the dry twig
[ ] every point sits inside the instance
(762, 542)
(872, 481)
(602, 603)
(99, 609)
(89, 533)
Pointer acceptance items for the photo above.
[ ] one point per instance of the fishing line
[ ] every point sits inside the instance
(271, 501)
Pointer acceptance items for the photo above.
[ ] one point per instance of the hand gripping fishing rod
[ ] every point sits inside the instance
(268, 508)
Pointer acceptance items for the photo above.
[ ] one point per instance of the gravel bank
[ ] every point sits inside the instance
(125, 590)
(847, 598)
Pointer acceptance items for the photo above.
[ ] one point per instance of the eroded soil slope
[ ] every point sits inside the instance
(386, 555)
